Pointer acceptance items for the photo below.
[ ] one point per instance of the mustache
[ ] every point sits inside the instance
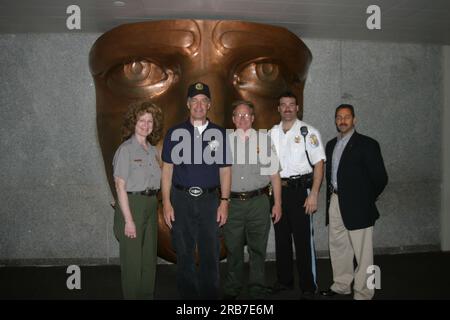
(342, 126)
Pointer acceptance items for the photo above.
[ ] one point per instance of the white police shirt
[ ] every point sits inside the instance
(290, 148)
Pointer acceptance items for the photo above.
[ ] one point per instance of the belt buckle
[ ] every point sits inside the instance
(195, 191)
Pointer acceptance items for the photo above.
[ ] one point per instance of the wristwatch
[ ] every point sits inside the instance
(225, 199)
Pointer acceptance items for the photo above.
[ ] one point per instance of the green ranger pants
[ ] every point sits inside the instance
(248, 224)
(138, 255)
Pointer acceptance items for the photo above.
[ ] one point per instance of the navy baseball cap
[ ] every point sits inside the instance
(198, 88)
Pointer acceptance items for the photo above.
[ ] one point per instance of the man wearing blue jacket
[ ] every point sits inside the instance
(356, 176)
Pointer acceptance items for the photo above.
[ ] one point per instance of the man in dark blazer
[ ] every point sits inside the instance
(356, 176)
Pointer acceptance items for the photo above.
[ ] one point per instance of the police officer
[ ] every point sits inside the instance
(302, 157)
(194, 168)
(137, 176)
(248, 220)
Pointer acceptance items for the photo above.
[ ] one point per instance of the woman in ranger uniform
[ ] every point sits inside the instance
(137, 176)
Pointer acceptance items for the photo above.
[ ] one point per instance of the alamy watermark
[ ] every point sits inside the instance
(73, 22)
(74, 280)
(374, 278)
(374, 20)
(224, 149)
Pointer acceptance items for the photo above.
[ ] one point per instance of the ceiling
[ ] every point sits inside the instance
(424, 21)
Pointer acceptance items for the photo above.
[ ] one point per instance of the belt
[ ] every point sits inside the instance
(293, 181)
(146, 192)
(293, 177)
(248, 194)
(195, 191)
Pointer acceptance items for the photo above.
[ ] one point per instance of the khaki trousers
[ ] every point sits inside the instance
(344, 246)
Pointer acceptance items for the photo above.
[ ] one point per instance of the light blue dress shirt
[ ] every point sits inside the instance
(337, 154)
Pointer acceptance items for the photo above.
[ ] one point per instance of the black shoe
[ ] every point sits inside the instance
(229, 297)
(278, 287)
(308, 295)
(259, 294)
(331, 293)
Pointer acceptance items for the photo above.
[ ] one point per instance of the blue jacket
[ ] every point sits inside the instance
(361, 177)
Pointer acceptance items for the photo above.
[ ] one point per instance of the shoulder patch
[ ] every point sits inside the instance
(313, 141)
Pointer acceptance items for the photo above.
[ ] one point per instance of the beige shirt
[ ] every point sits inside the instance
(138, 167)
(253, 161)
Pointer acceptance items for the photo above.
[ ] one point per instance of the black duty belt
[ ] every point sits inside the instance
(301, 180)
(195, 191)
(247, 195)
(146, 192)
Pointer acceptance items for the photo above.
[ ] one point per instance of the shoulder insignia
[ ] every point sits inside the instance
(313, 141)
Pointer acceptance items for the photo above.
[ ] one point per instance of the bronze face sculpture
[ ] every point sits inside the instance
(158, 60)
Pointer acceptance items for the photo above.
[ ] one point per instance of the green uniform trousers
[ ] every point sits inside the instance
(248, 224)
(138, 255)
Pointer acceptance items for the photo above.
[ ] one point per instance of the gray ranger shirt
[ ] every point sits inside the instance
(138, 167)
(254, 161)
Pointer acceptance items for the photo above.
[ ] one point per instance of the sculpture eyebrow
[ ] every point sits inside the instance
(268, 41)
(123, 44)
(227, 35)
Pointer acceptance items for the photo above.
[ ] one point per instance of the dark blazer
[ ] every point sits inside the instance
(361, 178)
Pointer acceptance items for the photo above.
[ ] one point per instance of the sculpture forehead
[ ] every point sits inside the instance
(191, 38)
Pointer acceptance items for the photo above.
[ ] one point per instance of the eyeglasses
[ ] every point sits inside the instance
(242, 115)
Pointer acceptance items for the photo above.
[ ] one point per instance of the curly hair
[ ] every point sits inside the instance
(135, 111)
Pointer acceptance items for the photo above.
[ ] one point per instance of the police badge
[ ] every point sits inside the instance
(297, 139)
(213, 145)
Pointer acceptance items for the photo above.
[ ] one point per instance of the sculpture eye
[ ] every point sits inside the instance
(140, 79)
(263, 77)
